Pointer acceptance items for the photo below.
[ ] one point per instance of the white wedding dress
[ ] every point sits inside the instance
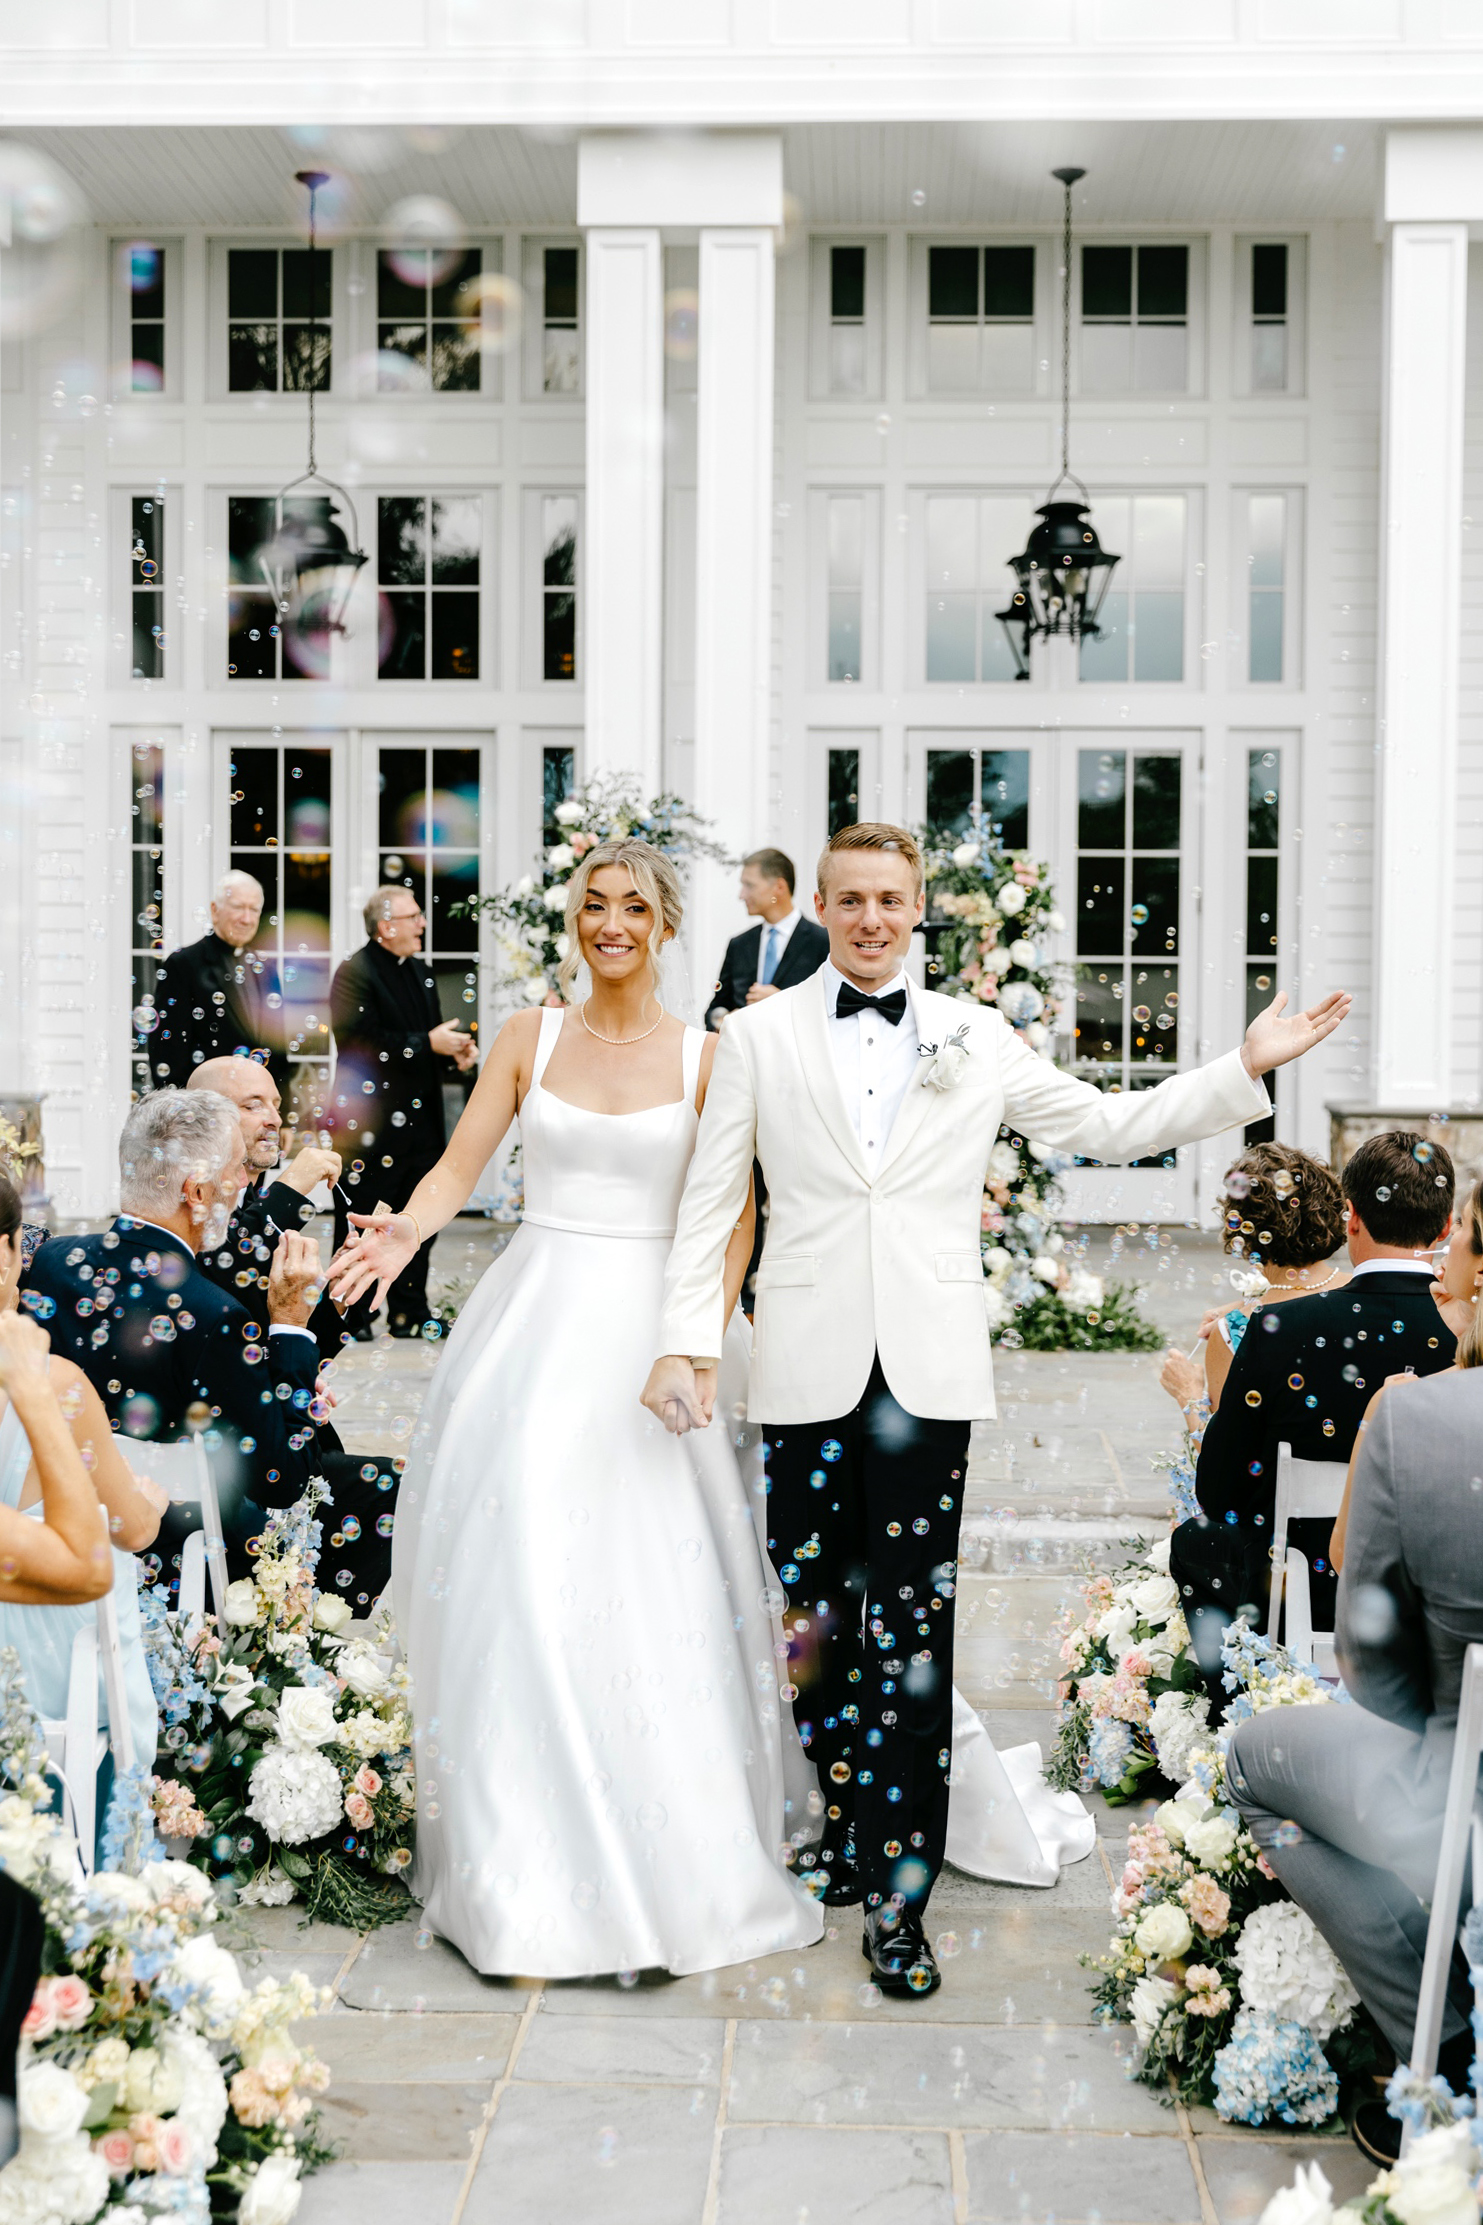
(606, 1774)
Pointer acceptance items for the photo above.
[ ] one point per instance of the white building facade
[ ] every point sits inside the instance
(694, 371)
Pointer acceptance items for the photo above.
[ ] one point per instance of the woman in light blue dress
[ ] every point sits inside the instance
(32, 1620)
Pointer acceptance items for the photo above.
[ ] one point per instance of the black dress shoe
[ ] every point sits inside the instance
(365, 1334)
(1376, 2133)
(897, 1951)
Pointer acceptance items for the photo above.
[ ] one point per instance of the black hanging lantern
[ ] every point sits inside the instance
(310, 563)
(1064, 572)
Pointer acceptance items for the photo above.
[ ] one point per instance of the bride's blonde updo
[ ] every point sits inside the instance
(657, 883)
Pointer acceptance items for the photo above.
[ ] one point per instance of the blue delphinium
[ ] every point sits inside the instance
(129, 1836)
(1273, 2067)
(1109, 1746)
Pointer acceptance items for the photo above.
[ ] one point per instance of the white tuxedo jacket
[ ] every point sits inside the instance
(854, 1264)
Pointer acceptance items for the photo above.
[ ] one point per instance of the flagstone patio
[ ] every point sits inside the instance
(778, 2093)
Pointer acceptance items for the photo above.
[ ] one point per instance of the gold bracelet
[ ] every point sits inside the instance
(412, 1217)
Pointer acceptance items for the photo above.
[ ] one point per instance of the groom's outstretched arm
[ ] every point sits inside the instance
(694, 1317)
(1059, 1109)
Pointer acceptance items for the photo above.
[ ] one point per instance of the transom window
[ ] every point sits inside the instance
(1269, 317)
(144, 276)
(980, 317)
(1142, 617)
(427, 311)
(561, 352)
(1127, 914)
(271, 294)
(847, 320)
(1134, 320)
(427, 568)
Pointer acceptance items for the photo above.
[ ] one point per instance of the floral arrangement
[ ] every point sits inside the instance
(286, 1762)
(150, 2080)
(529, 919)
(993, 913)
(1435, 2183)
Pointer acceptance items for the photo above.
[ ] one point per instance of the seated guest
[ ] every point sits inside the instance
(1347, 1802)
(58, 1465)
(1302, 1375)
(277, 1196)
(167, 1351)
(355, 1550)
(218, 995)
(1283, 1213)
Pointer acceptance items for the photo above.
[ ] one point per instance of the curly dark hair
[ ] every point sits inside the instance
(1281, 1206)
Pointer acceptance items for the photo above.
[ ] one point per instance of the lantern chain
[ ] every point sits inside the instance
(1065, 333)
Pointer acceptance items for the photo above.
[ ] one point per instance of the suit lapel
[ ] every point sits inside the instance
(919, 1100)
(811, 1033)
(791, 968)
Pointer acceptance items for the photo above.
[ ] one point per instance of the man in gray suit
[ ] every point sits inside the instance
(1346, 1802)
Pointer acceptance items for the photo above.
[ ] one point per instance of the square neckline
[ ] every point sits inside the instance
(550, 1036)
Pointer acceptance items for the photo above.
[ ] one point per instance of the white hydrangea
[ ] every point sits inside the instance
(202, 2107)
(295, 1795)
(213, 1973)
(1308, 2201)
(1083, 1293)
(998, 1310)
(1178, 1728)
(1288, 1969)
(270, 1890)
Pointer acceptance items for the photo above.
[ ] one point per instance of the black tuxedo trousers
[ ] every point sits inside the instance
(863, 1515)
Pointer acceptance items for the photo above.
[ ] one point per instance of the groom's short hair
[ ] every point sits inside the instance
(873, 834)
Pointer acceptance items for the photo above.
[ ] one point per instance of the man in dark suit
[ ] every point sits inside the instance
(218, 995)
(1303, 1374)
(783, 948)
(168, 1352)
(392, 1050)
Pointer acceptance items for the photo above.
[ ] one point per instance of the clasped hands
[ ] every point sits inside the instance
(682, 1395)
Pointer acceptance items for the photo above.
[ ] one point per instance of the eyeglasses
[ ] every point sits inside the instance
(394, 919)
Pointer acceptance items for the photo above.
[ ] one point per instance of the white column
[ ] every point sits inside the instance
(623, 564)
(733, 563)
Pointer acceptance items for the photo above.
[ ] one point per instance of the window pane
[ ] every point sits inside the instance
(1008, 355)
(1158, 540)
(455, 643)
(1269, 358)
(1156, 995)
(844, 788)
(252, 358)
(306, 901)
(251, 642)
(147, 349)
(561, 285)
(454, 812)
(252, 282)
(1264, 636)
(401, 540)
(1004, 792)
(306, 359)
(403, 798)
(455, 361)
(952, 282)
(1161, 359)
(1009, 282)
(558, 779)
(952, 542)
(1261, 906)
(847, 359)
(952, 356)
(147, 805)
(146, 516)
(1154, 916)
(249, 526)
(1099, 1014)
(406, 346)
(844, 634)
(148, 899)
(448, 295)
(559, 637)
(145, 264)
(1263, 791)
(401, 282)
(559, 362)
(559, 534)
(846, 537)
(1163, 281)
(1102, 789)
(1101, 920)
(1107, 282)
(1269, 280)
(403, 641)
(1104, 655)
(399, 870)
(1268, 517)
(458, 993)
(952, 622)
(306, 780)
(950, 789)
(254, 799)
(455, 878)
(846, 281)
(1158, 636)
(457, 529)
(1156, 797)
(306, 281)
(1106, 358)
(148, 652)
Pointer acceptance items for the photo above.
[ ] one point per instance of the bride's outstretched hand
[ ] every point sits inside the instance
(1271, 1039)
(385, 1244)
(680, 1394)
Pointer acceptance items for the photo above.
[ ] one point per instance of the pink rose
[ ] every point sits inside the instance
(174, 2147)
(117, 2150)
(582, 843)
(71, 2002)
(40, 2020)
(358, 1808)
(367, 1781)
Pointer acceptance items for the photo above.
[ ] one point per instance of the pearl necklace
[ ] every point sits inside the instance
(615, 1042)
(1305, 1289)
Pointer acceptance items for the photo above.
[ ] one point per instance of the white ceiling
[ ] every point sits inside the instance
(1267, 173)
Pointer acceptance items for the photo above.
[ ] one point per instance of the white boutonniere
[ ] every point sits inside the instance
(945, 1064)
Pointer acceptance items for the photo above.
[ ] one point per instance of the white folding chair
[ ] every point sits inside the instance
(1307, 1491)
(74, 1742)
(1461, 1820)
(184, 1470)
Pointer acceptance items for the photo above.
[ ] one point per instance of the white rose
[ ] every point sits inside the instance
(240, 1606)
(49, 2102)
(1009, 901)
(966, 854)
(1157, 1555)
(331, 1613)
(271, 2196)
(561, 857)
(1022, 952)
(997, 960)
(1433, 2185)
(524, 885)
(151, 2082)
(998, 1262)
(1164, 1932)
(555, 897)
(569, 813)
(534, 991)
(1153, 1598)
(213, 1972)
(1171, 1818)
(306, 1715)
(1046, 1270)
(364, 1674)
(1056, 922)
(1149, 2000)
(1306, 2202)
(1210, 1839)
(1115, 1624)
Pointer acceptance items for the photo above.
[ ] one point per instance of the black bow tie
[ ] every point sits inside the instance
(891, 1008)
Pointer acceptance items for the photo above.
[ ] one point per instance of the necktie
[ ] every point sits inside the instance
(892, 1008)
(770, 955)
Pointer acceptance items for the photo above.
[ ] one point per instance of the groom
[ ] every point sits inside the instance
(873, 1106)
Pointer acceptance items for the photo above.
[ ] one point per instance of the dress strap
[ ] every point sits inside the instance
(552, 1016)
(690, 1054)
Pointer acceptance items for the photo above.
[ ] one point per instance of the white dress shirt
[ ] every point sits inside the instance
(276, 1328)
(875, 1062)
(783, 929)
(1394, 1266)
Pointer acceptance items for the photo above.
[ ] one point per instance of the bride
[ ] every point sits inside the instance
(607, 1777)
